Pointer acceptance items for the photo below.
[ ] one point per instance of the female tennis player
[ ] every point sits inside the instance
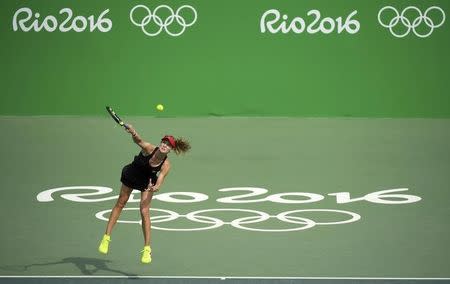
(146, 173)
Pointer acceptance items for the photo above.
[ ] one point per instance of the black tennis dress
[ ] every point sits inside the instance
(136, 175)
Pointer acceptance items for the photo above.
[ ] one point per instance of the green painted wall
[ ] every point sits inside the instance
(223, 64)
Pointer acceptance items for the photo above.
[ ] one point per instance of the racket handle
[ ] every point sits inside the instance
(123, 124)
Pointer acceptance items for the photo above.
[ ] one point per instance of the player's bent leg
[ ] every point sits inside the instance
(125, 193)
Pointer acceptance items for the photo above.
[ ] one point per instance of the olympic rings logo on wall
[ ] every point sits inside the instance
(153, 19)
(402, 21)
(204, 221)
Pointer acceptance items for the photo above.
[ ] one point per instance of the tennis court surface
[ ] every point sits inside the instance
(257, 200)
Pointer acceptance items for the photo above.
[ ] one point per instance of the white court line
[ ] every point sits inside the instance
(227, 277)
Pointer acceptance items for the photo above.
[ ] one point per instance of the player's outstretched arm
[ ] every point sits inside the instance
(146, 146)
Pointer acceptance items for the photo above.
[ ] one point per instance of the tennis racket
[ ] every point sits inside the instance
(116, 117)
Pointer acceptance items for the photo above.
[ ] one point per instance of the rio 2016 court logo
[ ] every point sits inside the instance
(207, 219)
(400, 24)
(163, 18)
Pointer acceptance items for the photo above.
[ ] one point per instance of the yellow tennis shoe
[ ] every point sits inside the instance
(146, 255)
(104, 245)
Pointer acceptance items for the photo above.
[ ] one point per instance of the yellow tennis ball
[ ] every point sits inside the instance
(160, 107)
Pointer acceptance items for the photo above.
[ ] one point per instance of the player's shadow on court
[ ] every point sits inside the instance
(87, 266)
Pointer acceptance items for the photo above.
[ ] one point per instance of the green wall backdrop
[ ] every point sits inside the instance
(223, 64)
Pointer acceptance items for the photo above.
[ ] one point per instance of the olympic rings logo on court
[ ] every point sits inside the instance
(206, 219)
(239, 223)
(413, 25)
(152, 19)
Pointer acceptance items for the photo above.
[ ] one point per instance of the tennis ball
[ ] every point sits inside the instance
(160, 107)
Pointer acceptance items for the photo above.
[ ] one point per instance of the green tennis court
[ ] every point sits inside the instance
(299, 166)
